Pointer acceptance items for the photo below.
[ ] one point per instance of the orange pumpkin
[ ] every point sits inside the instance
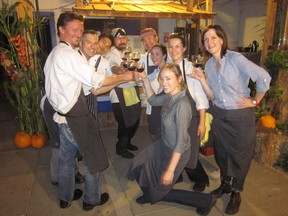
(22, 139)
(268, 121)
(37, 141)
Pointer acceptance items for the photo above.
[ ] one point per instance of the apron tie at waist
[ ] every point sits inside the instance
(71, 116)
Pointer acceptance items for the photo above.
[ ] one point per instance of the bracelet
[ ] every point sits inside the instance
(255, 101)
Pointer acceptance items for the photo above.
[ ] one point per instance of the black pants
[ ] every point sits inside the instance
(189, 198)
(125, 134)
(183, 197)
(198, 175)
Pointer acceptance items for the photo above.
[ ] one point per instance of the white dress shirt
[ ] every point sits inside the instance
(194, 86)
(65, 72)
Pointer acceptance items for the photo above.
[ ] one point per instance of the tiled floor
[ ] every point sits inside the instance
(26, 190)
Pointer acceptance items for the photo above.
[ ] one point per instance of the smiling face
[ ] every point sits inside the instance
(104, 45)
(120, 42)
(72, 32)
(157, 56)
(149, 41)
(89, 44)
(169, 81)
(176, 50)
(213, 43)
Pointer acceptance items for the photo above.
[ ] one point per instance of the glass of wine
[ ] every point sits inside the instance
(131, 65)
(126, 54)
(197, 61)
(140, 66)
(135, 56)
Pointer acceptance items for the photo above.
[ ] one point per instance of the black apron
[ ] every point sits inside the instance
(154, 119)
(131, 114)
(86, 133)
(195, 139)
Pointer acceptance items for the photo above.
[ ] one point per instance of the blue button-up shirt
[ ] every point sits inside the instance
(232, 79)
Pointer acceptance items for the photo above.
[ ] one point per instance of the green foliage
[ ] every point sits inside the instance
(282, 160)
(276, 59)
(274, 93)
(261, 110)
(282, 127)
(20, 59)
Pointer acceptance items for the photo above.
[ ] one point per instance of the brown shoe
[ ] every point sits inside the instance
(234, 203)
(225, 187)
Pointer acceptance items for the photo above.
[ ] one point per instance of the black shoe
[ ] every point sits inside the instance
(141, 200)
(234, 203)
(199, 187)
(206, 211)
(54, 183)
(104, 199)
(180, 179)
(77, 195)
(79, 178)
(125, 154)
(132, 147)
(224, 188)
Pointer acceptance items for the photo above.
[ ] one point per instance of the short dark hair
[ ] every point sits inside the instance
(162, 48)
(106, 35)
(88, 31)
(67, 17)
(178, 36)
(221, 34)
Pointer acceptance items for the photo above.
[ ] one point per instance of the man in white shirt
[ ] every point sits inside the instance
(104, 44)
(125, 98)
(65, 73)
(89, 48)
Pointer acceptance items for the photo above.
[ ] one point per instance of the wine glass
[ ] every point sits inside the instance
(135, 56)
(197, 61)
(126, 54)
(140, 66)
(131, 65)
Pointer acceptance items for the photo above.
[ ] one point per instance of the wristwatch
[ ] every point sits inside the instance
(255, 101)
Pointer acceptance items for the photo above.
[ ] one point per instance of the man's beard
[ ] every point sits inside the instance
(121, 47)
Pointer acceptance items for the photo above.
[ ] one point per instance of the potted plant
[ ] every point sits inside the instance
(20, 59)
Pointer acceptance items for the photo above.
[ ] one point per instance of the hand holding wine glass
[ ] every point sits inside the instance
(139, 77)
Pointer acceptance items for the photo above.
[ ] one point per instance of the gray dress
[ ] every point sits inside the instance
(148, 166)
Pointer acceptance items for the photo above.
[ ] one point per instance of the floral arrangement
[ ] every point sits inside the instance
(20, 59)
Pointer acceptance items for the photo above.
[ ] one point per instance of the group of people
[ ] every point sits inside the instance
(83, 66)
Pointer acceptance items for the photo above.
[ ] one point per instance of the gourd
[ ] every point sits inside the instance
(37, 140)
(22, 139)
(268, 121)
